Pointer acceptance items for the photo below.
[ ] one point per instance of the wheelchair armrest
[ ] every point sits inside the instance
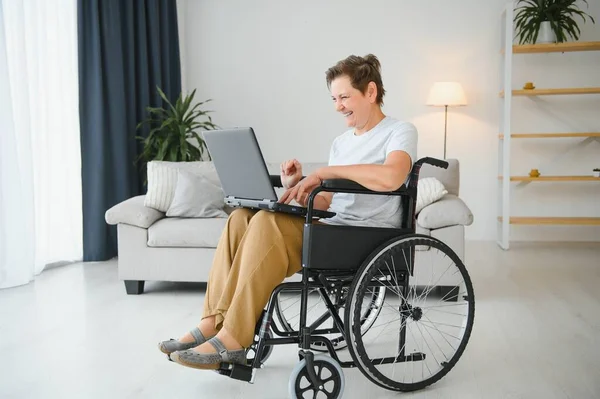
(345, 185)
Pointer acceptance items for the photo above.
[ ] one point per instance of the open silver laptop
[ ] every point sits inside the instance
(243, 173)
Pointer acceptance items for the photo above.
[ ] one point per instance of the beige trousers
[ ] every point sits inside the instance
(256, 251)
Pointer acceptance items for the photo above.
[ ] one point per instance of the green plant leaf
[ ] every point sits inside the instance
(171, 126)
(561, 13)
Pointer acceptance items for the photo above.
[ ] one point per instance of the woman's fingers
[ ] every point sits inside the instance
(300, 192)
(290, 167)
(292, 195)
(285, 196)
(289, 195)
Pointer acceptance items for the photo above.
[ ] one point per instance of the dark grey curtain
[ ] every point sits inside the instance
(126, 49)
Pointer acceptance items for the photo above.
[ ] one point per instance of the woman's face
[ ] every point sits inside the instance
(355, 106)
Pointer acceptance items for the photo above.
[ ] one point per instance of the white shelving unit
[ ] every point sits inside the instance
(508, 49)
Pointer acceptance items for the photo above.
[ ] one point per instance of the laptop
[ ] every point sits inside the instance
(243, 173)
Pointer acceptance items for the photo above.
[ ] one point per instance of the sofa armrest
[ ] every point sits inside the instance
(132, 211)
(448, 211)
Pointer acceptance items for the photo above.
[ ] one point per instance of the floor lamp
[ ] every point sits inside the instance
(446, 94)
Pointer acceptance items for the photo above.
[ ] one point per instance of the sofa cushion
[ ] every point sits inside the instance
(448, 211)
(132, 211)
(422, 230)
(186, 232)
(162, 180)
(196, 197)
(429, 190)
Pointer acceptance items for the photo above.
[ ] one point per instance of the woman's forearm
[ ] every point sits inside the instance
(321, 203)
(373, 177)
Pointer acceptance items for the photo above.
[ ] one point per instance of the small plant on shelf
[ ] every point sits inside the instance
(596, 172)
(557, 15)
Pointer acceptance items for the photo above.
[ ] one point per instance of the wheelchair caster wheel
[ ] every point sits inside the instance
(329, 379)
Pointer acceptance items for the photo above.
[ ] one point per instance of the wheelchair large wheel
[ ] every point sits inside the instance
(287, 311)
(427, 316)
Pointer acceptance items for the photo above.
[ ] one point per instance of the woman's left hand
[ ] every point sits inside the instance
(302, 190)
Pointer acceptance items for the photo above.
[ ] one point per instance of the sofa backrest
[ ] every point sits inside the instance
(450, 177)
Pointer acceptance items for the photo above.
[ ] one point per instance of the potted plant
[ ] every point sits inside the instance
(596, 172)
(173, 135)
(548, 21)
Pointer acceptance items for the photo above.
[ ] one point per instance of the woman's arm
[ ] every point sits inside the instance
(387, 177)
(322, 201)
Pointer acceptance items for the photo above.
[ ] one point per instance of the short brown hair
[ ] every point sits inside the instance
(361, 71)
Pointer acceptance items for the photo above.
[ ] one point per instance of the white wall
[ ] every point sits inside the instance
(263, 62)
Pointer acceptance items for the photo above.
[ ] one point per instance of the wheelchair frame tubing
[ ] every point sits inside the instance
(303, 336)
(266, 323)
(403, 318)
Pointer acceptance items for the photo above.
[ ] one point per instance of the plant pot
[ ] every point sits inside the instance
(546, 34)
(596, 173)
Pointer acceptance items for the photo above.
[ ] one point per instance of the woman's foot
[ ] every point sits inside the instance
(222, 348)
(206, 326)
(228, 341)
(191, 339)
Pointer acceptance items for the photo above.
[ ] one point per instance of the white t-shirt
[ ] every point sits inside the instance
(371, 147)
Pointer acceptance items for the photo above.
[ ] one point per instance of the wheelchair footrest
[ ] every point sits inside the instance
(237, 371)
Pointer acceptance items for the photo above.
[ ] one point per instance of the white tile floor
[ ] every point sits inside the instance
(74, 333)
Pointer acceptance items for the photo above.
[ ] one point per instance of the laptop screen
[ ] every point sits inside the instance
(239, 163)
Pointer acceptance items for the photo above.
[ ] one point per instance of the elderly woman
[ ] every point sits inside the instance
(259, 249)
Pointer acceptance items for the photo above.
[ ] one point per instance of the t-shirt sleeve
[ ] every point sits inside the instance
(404, 137)
(333, 152)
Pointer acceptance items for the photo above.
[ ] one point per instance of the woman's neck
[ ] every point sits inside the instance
(374, 118)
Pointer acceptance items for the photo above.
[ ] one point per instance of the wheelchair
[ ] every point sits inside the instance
(376, 295)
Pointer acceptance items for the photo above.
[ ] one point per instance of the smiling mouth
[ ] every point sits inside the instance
(348, 114)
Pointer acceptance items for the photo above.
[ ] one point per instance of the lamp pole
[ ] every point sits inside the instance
(445, 128)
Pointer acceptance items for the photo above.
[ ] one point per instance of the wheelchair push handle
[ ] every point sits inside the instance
(433, 161)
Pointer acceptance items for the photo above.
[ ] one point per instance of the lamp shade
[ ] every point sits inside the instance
(446, 93)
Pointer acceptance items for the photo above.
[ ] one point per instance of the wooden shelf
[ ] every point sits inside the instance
(511, 89)
(587, 221)
(549, 135)
(556, 47)
(554, 92)
(553, 178)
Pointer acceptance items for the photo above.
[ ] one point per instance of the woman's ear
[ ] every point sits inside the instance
(372, 92)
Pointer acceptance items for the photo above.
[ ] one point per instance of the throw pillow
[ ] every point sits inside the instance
(162, 180)
(429, 190)
(196, 197)
(448, 211)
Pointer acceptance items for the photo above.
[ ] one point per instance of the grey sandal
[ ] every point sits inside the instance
(210, 361)
(173, 345)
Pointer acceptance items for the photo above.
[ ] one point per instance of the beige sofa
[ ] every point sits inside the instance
(153, 247)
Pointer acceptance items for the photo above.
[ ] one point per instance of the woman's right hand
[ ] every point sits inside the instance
(291, 173)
